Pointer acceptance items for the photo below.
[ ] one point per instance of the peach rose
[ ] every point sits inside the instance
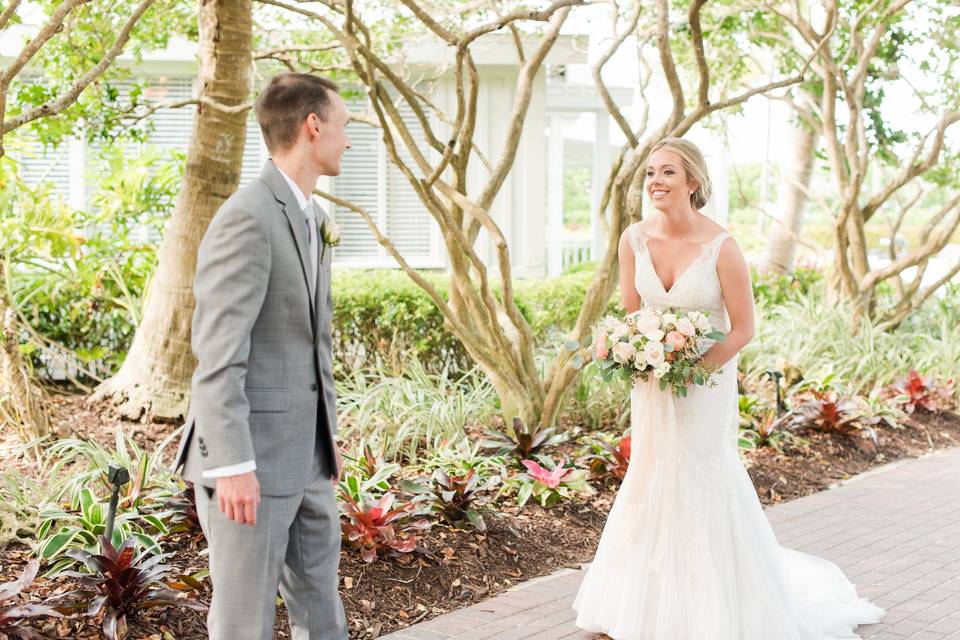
(677, 340)
(602, 350)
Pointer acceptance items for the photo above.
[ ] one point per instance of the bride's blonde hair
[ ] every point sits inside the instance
(694, 165)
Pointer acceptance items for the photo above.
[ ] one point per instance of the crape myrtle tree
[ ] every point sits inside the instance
(699, 49)
(863, 55)
(56, 80)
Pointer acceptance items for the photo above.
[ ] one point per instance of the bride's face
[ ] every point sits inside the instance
(668, 186)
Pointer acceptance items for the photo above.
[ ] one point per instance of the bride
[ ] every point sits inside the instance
(687, 553)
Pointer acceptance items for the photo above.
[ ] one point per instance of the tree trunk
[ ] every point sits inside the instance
(155, 377)
(791, 200)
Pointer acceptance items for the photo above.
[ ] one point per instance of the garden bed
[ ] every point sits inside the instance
(458, 568)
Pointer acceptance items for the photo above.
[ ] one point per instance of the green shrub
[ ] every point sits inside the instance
(78, 276)
(382, 316)
(771, 289)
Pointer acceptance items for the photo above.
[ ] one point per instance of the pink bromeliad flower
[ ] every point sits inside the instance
(550, 478)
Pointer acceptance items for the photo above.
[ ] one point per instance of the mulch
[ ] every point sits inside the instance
(459, 568)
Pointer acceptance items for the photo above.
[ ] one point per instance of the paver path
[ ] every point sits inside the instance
(894, 531)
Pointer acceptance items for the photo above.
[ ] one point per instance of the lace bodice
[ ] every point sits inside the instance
(697, 288)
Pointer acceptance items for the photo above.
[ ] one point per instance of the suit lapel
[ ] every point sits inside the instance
(295, 220)
(324, 256)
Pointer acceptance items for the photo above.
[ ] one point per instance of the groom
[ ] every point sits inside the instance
(259, 438)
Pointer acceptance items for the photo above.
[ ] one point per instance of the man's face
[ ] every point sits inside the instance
(328, 139)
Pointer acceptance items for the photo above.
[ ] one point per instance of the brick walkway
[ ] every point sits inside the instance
(894, 531)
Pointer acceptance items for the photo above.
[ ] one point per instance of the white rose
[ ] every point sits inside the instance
(654, 336)
(620, 330)
(330, 232)
(623, 352)
(703, 323)
(647, 322)
(640, 360)
(669, 318)
(686, 327)
(654, 353)
(660, 371)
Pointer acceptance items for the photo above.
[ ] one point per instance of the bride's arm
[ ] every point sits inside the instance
(629, 297)
(738, 298)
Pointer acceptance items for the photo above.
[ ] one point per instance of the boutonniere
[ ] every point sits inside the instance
(330, 233)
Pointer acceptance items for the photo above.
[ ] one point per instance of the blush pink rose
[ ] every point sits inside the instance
(686, 327)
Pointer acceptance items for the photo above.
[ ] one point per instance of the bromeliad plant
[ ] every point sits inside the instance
(521, 441)
(760, 426)
(14, 614)
(548, 482)
(122, 582)
(80, 529)
(453, 498)
(607, 458)
(916, 392)
(459, 458)
(89, 463)
(182, 511)
(366, 476)
(828, 411)
(375, 528)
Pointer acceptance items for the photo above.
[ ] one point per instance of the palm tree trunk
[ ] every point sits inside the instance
(791, 200)
(155, 377)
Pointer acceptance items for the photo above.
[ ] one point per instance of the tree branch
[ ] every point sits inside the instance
(524, 92)
(54, 107)
(914, 168)
(933, 243)
(696, 35)
(8, 13)
(597, 69)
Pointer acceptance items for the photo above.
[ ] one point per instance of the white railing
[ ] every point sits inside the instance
(575, 251)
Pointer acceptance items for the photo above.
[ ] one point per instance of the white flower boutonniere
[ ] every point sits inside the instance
(330, 233)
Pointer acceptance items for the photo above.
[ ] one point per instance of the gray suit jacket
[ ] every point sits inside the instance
(263, 389)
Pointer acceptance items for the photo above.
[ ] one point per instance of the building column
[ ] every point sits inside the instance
(555, 170)
(601, 169)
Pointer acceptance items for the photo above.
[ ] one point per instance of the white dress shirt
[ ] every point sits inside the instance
(310, 218)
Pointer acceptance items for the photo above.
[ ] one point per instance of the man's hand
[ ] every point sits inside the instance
(336, 449)
(239, 497)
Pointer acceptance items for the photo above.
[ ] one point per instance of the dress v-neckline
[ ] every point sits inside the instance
(646, 246)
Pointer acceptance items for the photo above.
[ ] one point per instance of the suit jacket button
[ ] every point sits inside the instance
(313, 387)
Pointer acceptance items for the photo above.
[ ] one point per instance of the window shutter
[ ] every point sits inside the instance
(50, 165)
(409, 224)
(171, 128)
(254, 153)
(358, 183)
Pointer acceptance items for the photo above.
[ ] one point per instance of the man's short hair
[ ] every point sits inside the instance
(286, 102)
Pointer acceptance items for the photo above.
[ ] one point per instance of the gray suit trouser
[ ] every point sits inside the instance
(248, 565)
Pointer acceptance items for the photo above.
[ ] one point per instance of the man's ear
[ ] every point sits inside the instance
(311, 125)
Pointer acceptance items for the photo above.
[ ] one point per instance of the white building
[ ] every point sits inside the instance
(566, 126)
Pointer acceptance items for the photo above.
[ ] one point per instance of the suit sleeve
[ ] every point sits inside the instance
(233, 270)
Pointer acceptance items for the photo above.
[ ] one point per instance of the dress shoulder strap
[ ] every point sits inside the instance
(713, 247)
(637, 239)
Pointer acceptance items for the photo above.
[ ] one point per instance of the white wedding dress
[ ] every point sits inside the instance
(687, 552)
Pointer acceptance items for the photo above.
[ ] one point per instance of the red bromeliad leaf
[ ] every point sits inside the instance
(624, 447)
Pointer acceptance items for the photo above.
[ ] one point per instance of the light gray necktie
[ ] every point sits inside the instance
(310, 214)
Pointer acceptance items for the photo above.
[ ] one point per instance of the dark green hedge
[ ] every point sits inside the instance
(383, 314)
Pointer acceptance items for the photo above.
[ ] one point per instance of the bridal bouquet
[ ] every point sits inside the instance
(663, 343)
